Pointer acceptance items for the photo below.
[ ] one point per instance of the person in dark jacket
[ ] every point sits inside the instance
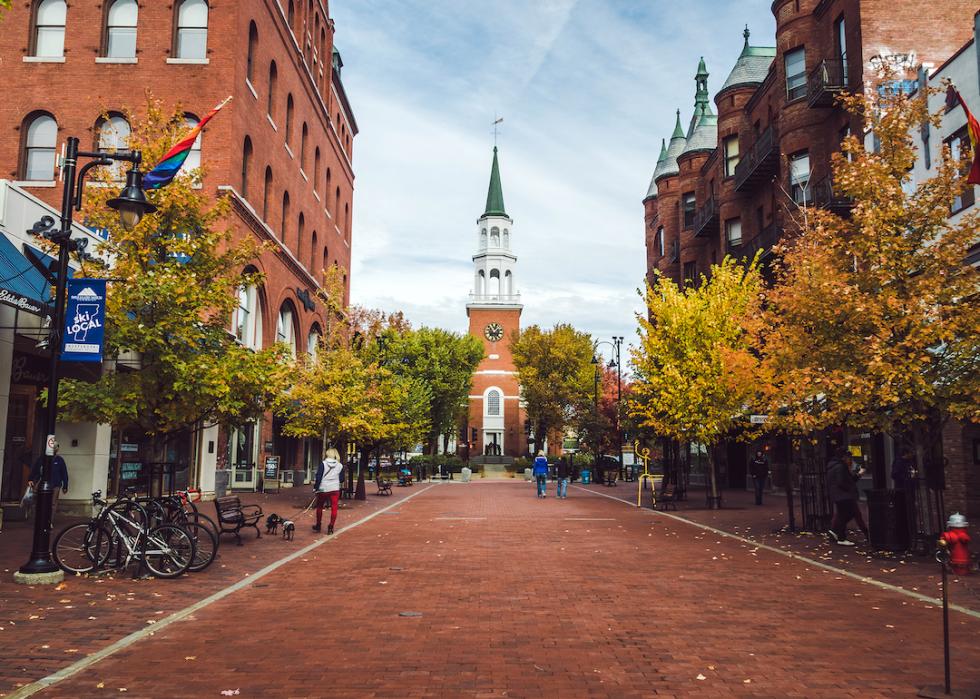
(842, 490)
(540, 473)
(902, 467)
(58, 477)
(564, 474)
(760, 473)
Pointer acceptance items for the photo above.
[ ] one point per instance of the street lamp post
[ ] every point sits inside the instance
(131, 205)
(615, 344)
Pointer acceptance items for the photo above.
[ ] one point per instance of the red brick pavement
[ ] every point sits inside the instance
(521, 597)
(43, 629)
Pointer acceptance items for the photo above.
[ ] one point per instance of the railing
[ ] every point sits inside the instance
(674, 251)
(824, 196)
(759, 161)
(764, 241)
(826, 81)
(495, 298)
(706, 218)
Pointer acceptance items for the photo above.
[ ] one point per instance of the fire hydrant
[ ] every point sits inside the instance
(958, 540)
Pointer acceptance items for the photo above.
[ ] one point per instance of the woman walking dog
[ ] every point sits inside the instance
(327, 487)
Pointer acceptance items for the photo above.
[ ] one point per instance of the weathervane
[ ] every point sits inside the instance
(496, 120)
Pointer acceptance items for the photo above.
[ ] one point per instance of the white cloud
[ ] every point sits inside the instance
(587, 89)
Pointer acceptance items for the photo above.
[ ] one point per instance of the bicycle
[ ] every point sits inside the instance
(170, 510)
(123, 528)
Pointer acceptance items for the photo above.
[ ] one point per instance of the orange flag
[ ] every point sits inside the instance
(973, 129)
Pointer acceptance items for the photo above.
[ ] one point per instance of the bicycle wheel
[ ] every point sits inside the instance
(169, 551)
(80, 548)
(205, 546)
(207, 522)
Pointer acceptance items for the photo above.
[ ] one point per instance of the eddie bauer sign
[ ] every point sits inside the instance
(84, 321)
(22, 303)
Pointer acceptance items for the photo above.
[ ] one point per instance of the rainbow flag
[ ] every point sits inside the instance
(168, 167)
(973, 129)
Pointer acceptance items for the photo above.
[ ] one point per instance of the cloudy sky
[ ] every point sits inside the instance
(586, 88)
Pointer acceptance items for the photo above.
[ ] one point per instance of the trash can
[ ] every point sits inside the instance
(888, 520)
(527, 474)
(586, 477)
(465, 472)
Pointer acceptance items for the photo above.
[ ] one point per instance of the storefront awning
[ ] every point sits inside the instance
(21, 284)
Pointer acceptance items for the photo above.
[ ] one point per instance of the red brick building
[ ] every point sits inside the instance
(282, 151)
(730, 184)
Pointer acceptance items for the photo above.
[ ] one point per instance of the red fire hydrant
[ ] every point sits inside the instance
(958, 540)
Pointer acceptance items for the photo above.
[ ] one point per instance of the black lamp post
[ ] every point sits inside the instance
(132, 205)
(617, 363)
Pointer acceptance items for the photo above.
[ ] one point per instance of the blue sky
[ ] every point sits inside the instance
(586, 88)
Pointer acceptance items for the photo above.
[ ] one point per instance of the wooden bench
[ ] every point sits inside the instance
(233, 515)
(667, 498)
(384, 486)
(404, 479)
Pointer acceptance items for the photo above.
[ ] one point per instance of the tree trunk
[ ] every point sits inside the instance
(713, 478)
(360, 493)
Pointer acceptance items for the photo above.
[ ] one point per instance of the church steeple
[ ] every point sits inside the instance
(495, 193)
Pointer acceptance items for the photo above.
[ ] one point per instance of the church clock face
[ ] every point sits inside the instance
(494, 332)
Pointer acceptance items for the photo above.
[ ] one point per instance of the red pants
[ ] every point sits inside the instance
(321, 500)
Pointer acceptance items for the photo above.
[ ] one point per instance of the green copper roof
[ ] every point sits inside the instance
(678, 129)
(752, 65)
(495, 194)
(652, 189)
(702, 68)
(663, 150)
(668, 166)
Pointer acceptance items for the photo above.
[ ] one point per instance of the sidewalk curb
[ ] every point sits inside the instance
(130, 639)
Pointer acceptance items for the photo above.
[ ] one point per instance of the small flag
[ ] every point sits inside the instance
(973, 129)
(168, 167)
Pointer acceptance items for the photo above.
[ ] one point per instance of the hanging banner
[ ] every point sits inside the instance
(84, 321)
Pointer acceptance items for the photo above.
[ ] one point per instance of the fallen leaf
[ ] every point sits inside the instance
(700, 677)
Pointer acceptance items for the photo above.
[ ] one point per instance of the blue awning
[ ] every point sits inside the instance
(21, 284)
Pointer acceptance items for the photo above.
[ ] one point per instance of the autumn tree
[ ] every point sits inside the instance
(695, 371)
(554, 368)
(596, 419)
(172, 364)
(873, 320)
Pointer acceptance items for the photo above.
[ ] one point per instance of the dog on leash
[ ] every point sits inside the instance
(272, 523)
(287, 529)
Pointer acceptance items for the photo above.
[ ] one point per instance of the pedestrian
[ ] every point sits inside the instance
(58, 478)
(541, 473)
(842, 488)
(902, 467)
(760, 473)
(327, 487)
(564, 474)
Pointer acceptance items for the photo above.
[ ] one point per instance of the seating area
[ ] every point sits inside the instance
(233, 516)
(667, 498)
(404, 479)
(384, 486)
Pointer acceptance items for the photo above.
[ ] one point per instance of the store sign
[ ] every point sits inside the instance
(84, 321)
(21, 302)
(758, 419)
(271, 467)
(124, 447)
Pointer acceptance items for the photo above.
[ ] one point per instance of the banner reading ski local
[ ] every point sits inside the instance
(84, 321)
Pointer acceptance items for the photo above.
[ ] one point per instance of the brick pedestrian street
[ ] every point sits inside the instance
(483, 590)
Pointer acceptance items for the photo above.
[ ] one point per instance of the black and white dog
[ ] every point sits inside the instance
(272, 523)
(287, 529)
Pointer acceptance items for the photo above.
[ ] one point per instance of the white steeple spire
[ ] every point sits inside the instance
(493, 275)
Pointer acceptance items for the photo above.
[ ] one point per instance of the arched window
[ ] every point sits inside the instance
(326, 258)
(246, 165)
(507, 238)
(316, 169)
(300, 230)
(247, 320)
(120, 30)
(291, 15)
(494, 289)
(336, 205)
(493, 402)
(253, 44)
(313, 249)
(286, 326)
(326, 190)
(266, 193)
(40, 142)
(192, 29)
(345, 224)
(483, 239)
(508, 283)
(114, 137)
(270, 105)
(660, 240)
(193, 161)
(49, 28)
(481, 283)
(284, 224)
(313, 340)
(302, 146)
(316, 32)
(495, 237)
(289, 118)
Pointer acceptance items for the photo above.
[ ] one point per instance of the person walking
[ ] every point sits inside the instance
(541, 473)
(760, 473)
(564, 474)
(327, 487)
(842, 489)
(58, 478)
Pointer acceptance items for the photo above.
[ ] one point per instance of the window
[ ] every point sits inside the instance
(507, 238)
(799, 177)
(313, 250)
(840, 41)
(246, 164)
(494, 289)
(193, 161)
(795, 61)
(302, 146)
(336, 206)
(316, 168)
(120, 34)
(690, 273)
(730, 145)
(483, 238)
(266, 193)
(113, 138)
(39, 148)
(289, 118)
(285, 330)
(733, 232)
(495, 237)
(247, 321)
(270, 104)
(493, 402)
(326, 190)
(284, 223)
(192, 29)
(313, 341)
(689, 204)
(660, 241)
(253, 44)
(959, 148)
(49, 28)
(508, 283)
(300, 230)
(291, 14)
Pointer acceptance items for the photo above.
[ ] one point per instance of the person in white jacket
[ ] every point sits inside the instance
(327, 487)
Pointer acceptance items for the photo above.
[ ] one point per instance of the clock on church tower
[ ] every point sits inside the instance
(495, 427)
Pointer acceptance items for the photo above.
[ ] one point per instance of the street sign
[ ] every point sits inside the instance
(84, 321)
(759, 419)
(271, 473)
